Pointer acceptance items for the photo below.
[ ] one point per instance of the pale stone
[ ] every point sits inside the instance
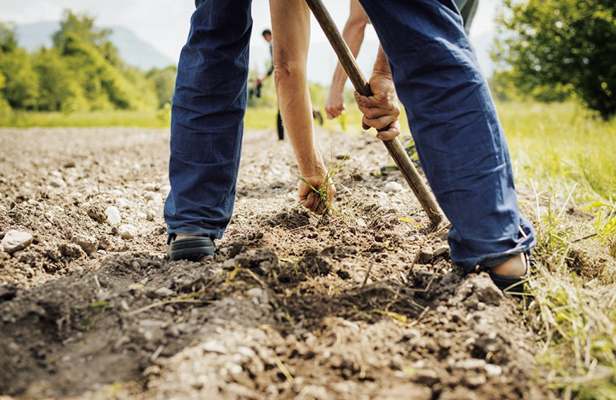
(392, 187)
(16, 240)
(89, 244)
(164, 292)
(127, 231)
(165, 189)
(113, 215)
(57, 182)
(441, 251)
(122, 203)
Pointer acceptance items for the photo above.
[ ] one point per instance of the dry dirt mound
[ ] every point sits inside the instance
(363, 305)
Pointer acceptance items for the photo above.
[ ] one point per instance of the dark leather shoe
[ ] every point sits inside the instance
(192, 249)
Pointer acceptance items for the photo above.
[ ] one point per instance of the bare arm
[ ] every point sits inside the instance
(353, 35)
(291, 34)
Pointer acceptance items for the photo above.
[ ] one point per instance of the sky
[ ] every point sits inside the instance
(165, 23)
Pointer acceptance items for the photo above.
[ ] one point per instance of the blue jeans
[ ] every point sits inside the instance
(459, 138)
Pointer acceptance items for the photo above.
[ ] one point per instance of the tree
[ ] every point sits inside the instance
(21, 82)
(164, 84)
(564, 46)
(82, 26)
(106, 81)
(8, 42)
(4, 105)
(58, 90)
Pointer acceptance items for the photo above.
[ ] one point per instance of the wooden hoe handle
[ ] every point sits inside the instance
(395, 148)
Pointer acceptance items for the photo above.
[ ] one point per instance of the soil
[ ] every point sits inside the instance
(364, 304)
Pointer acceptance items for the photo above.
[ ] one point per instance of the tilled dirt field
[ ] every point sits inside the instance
(363, 305)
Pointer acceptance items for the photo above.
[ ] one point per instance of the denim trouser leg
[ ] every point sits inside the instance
(460, 142)
(207, 118)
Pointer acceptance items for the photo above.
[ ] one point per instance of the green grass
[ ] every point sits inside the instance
(573, 309)
(567, 155)
(562, 145)
(141, 119)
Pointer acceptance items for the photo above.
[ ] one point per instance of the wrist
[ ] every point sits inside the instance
(311, 166)
(337, 86)
(381, 73)
(381, 65)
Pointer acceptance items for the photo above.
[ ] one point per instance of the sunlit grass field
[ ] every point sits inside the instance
(562, 154)
(141, 119)
(561, 147)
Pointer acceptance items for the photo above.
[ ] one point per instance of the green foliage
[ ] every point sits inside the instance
(557, 146)
(21, 81)
(551, 49)
(81, 72)
(105, 86)
(164, 84)
(85, 119)
(8, 42)
(5, 108)
(572, 303)
(57, 89)
(81, 26)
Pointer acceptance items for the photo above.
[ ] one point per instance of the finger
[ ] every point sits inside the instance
(308, 202)
(320, 209)
(364, 125)
(387, 135)
(381, 122)
(374, 102)
(317, 205)
(362, 100)
(392, 132)
(377, 112)
(331, 192)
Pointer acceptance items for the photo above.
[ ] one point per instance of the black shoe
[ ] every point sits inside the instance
(191, 249)
(513, 285)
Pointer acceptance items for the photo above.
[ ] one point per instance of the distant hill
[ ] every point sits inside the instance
(133, 50)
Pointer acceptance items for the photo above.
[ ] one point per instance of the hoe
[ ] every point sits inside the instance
(395, 148)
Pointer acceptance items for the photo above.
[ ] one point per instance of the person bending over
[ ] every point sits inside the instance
(426, 56)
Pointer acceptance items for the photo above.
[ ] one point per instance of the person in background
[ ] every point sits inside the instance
(316, 114)
(256, 90)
